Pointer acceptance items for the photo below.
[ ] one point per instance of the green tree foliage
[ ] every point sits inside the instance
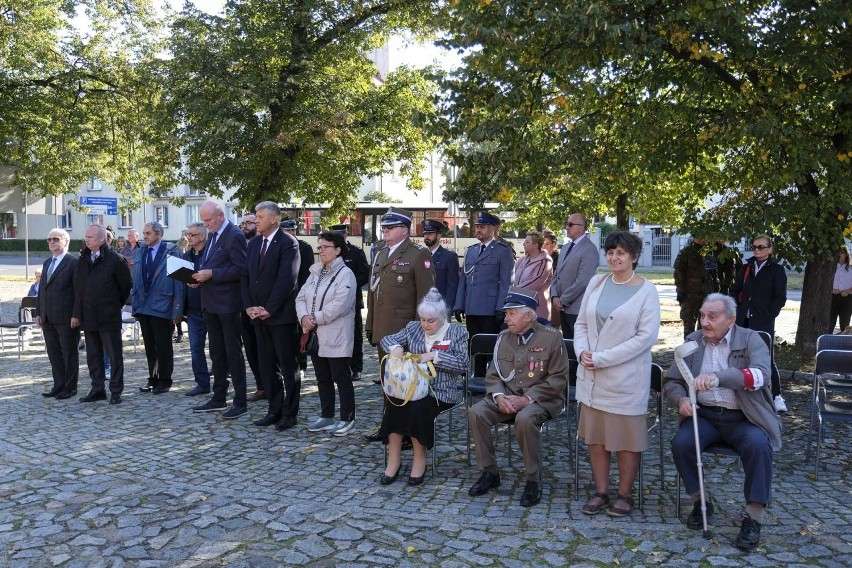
(280, 101)
(732, 118)
(81, 101)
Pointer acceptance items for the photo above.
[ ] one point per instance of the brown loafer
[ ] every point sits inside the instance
(595, 504)
(257, 395)
(616, 511)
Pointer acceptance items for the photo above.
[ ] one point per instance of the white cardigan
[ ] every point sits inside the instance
(336, 319)
(621, 351)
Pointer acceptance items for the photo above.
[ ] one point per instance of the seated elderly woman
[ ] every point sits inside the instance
(443, 343)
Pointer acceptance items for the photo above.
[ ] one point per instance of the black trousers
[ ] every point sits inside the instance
(567, 321)
(226, 355)
(159, 349)
(250, 344)
(357, 360)
(61, 343)
(98, 343)
(332, 371)
(277, 346)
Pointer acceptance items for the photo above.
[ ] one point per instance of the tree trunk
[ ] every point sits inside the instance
(816, 298)
(622, 219)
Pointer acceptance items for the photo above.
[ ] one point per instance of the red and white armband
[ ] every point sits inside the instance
(752, 378)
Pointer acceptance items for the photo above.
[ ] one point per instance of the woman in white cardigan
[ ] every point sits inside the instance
(326, 303)
(617, 326)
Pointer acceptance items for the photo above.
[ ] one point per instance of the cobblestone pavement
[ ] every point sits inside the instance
(149, 483)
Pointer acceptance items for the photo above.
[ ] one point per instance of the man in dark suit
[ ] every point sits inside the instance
(53, 313)
(356, 261)
(269, 298)
(446, 262)
(248, 226)
(306, 259)
(157, 304)
(760, 291)
(222, 265)
(578, 262)
(101, 288)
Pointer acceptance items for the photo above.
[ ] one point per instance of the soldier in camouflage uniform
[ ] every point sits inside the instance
(728, 262)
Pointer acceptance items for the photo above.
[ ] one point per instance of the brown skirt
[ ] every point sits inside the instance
(616, 432)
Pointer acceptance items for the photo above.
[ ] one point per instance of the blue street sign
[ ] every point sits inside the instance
(102, 205)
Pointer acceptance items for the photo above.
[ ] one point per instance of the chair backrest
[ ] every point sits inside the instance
(481, 350)
(767, 339)
(29, 302)
(835, 342)
(656, 378)
(833, 361)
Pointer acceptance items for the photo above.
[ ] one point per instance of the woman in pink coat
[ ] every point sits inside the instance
(534, 270)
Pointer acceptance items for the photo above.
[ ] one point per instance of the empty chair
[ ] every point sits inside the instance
(836, 362)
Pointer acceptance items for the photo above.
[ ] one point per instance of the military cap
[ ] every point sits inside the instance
(486, 218)
(432, 226)
(396, 216)
(340, 229)
(520, 298)
(288, 224)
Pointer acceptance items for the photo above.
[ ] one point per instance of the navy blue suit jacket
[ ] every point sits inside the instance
(221, 294)
(56, 298)
(272, 284)
(446, 274)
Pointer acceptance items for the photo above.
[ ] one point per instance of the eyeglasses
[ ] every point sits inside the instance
(321, 248)
(53, 239)
(188, 235)
(570, 224)
(247, 223)
(761, 247)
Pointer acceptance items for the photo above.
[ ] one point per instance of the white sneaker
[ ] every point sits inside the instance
(343, 427)
(779, 404)
(321, 424)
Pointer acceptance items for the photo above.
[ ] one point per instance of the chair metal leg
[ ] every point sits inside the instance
(818, 443)
(577, 455)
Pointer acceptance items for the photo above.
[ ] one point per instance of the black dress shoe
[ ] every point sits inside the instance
(415, 481)
(115, 398)
(285, 423)
(531, 495)
(93, 396)
(486, 482)
(66, 394)
(694, 520)
(267, 420)
(161, 389)
(53, 392)
(749, 536)
(374, 437)
(387, 480)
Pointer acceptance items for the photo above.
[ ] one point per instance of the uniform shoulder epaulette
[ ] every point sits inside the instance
(418, 245)
(551, 329)
(501, 243)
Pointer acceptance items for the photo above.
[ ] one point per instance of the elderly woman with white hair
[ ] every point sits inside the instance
(445, 345)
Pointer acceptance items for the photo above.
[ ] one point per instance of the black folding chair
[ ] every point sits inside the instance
(28, 304)
(481, 350)
(829, 362)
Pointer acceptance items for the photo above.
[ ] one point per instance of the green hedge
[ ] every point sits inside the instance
(36, 245)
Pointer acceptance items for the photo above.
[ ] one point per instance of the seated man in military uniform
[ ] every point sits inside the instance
(525, 382)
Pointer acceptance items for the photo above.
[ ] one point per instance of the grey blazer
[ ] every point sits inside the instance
(573, 273)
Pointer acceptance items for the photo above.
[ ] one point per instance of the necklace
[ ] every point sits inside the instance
(632, 274)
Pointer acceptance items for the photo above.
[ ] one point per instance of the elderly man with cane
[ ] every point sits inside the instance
(732, 404)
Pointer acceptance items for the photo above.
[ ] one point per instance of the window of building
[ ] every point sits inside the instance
(95, 184)
(194, 192)
(126, 220)
(65, 220)
(94, 219)
(193, 213)
(161, 215)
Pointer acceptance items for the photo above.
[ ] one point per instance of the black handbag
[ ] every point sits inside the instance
(309, 342)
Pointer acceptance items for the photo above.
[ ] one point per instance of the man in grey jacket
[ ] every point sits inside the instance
(738, 412)
(578, 262)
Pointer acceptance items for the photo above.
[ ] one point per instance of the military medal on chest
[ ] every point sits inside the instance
(532, 363)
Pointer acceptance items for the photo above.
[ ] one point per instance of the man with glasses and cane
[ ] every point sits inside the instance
(728, 401)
